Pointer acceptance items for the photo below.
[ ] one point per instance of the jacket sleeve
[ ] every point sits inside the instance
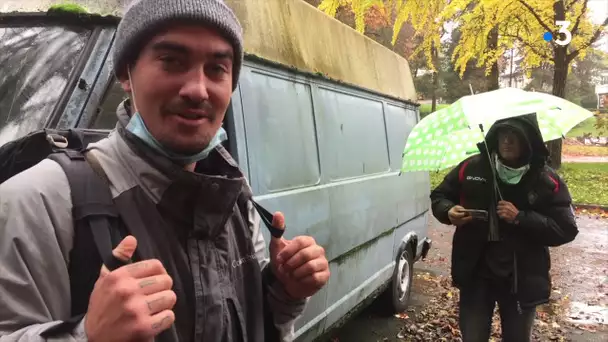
(555, 223)
(36, 236)
(446, 195)
(285, 310)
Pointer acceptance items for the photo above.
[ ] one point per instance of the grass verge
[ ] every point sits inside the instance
(585, 127)
(425, 109)
(437, 177)
(587, 182)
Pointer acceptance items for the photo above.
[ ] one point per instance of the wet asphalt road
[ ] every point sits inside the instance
(579, 272)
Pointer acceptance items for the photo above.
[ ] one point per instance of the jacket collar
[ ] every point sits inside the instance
(211, 191)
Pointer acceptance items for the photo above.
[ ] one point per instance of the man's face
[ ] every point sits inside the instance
(509, 145)
(182, 84)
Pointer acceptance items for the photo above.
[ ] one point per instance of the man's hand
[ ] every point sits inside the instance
(507, 211)
(299, 264)
(131, 303)
(458, 217)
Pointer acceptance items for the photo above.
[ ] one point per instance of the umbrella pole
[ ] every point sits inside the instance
(491, 163)
(488, 153)
(493, 234)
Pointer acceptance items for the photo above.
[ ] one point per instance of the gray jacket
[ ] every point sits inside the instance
(37, 236)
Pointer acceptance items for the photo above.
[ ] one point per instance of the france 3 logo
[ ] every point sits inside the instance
(566, 34)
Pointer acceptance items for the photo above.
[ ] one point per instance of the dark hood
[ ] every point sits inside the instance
(527, 127)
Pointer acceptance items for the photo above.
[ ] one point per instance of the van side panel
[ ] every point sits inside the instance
(284, 168)
(328, 157)
(399, 123)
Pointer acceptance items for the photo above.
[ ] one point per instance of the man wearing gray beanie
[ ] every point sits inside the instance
(189, 261)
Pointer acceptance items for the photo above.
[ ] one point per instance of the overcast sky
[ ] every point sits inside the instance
(598, 10)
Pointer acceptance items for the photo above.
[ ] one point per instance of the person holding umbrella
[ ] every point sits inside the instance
(508, 207)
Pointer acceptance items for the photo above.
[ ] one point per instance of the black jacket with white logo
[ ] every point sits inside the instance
(546, 218)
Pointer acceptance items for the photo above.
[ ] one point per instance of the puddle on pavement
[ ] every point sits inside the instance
(581, 274)
(581, 313)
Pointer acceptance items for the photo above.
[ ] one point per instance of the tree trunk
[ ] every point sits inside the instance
(511, 70)
(494, 73)
(435, 53)
(560, 74)
(434, 92)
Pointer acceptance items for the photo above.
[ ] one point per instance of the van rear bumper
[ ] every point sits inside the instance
(426, 246)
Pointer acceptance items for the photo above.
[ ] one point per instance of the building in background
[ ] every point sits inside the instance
(601, 90)
(599, 12)
(513, 75)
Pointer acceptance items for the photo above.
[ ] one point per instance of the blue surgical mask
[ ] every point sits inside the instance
(137, 126)
(510, 175)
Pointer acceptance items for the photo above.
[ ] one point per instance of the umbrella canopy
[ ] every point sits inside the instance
(448, 136)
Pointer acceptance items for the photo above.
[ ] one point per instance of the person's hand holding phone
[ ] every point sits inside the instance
(458, 216)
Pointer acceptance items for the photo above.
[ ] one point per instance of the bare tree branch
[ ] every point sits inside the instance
(538, 18)
(531, 47)
(522, 24)
(568, 6)
(593, 39)
(578, 20)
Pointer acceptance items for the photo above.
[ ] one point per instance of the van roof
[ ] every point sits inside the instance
(310, 41)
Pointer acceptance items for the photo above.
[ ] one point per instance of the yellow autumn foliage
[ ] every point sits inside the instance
(359, 7)
(520, 24)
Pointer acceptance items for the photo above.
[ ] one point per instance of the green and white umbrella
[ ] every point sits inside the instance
(448, 136)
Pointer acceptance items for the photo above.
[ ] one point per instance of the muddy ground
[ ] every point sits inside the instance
(578, 310)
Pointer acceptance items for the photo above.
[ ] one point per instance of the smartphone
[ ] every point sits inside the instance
(477, 214)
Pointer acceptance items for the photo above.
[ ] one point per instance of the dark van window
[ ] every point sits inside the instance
(106, 113)
(35, 64)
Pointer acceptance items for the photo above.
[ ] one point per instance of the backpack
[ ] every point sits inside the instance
(94, 214)
(96, 220)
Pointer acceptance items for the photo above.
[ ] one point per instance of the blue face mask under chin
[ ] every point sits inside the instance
(137, 126)
(510, 175)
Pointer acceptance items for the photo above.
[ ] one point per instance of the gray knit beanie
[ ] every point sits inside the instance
(143, 17)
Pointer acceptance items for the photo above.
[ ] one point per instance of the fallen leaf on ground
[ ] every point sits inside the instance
(437, 320)
(402, 316)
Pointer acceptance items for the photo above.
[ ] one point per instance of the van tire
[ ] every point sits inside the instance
(401, 284)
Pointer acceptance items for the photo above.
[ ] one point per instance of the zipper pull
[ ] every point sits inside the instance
(519, 310)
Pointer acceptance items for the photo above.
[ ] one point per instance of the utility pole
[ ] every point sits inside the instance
(511, 72)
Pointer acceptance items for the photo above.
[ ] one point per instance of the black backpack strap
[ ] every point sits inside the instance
(91, 202)
(265, 215)
(267, 218)
(271, 333)
(95, 218)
